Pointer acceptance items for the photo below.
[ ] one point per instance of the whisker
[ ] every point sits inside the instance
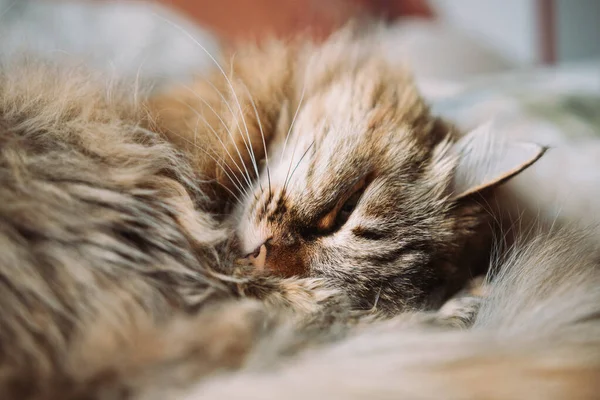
(262, 135)
(235, 97)
(293, 120)
(297, 165)
(214, 159)
(229, 190)
(217, 136)
(229, 130)
(287, 174)
(201, 117)
(237, 198)
(248, 144)
(243, 191)
(146, 131)
(239, 185)
(253, 155)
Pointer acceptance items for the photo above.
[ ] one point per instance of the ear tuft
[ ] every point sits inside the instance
(485, 160)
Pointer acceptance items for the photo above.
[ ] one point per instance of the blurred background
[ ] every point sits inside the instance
(440, 38)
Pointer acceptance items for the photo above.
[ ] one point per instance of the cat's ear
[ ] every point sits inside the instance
(486, 160)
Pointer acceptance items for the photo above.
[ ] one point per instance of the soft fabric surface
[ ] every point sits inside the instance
(131, 37)
(127, 39)
(550, 106)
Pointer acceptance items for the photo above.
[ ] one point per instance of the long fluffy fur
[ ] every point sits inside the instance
(110, 274)
(99, 235)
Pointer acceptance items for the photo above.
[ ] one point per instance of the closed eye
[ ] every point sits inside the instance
(340, 214)
(347, 209)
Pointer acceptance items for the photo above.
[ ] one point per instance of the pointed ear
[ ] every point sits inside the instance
(486, 161)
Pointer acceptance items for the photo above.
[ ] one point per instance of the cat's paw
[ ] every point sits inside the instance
(300, 295)
(461, 310)
(305, 295)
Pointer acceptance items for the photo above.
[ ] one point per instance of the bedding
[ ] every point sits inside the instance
(558, 107)
(127, 39)
(548, 105)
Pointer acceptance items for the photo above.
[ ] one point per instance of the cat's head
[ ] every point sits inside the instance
(360, 185)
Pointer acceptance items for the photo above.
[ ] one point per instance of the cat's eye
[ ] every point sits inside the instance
(340, 214)
(347, 208)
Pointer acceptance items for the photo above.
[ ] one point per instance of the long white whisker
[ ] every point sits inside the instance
(297, 165)
(229, 131)
(201, 117)
(293, 120)
(237, 183)
(246, 176)
(262, 135)
(216, 161)
(248, 143)
(225, 187)
(235, 97)
(213, 158)
(245, 192)
(287, 174)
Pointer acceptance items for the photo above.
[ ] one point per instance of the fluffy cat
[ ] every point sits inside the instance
(123, 219)
(361, 187)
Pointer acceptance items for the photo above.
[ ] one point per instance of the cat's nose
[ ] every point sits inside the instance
(258, 257)
(272, 256)
(256, 252)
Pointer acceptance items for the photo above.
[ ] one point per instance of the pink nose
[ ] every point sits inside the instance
(258, 257)
(255, 253)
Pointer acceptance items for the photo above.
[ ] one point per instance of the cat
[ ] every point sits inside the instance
(124, 219)
(358, 184)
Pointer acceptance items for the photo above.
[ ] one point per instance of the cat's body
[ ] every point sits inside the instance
(117, 269)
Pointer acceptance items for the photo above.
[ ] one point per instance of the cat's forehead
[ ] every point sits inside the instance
(326, 158)
(346, 126)
(351, 115)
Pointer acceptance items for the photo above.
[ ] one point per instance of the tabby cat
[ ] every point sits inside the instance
(291, 200)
